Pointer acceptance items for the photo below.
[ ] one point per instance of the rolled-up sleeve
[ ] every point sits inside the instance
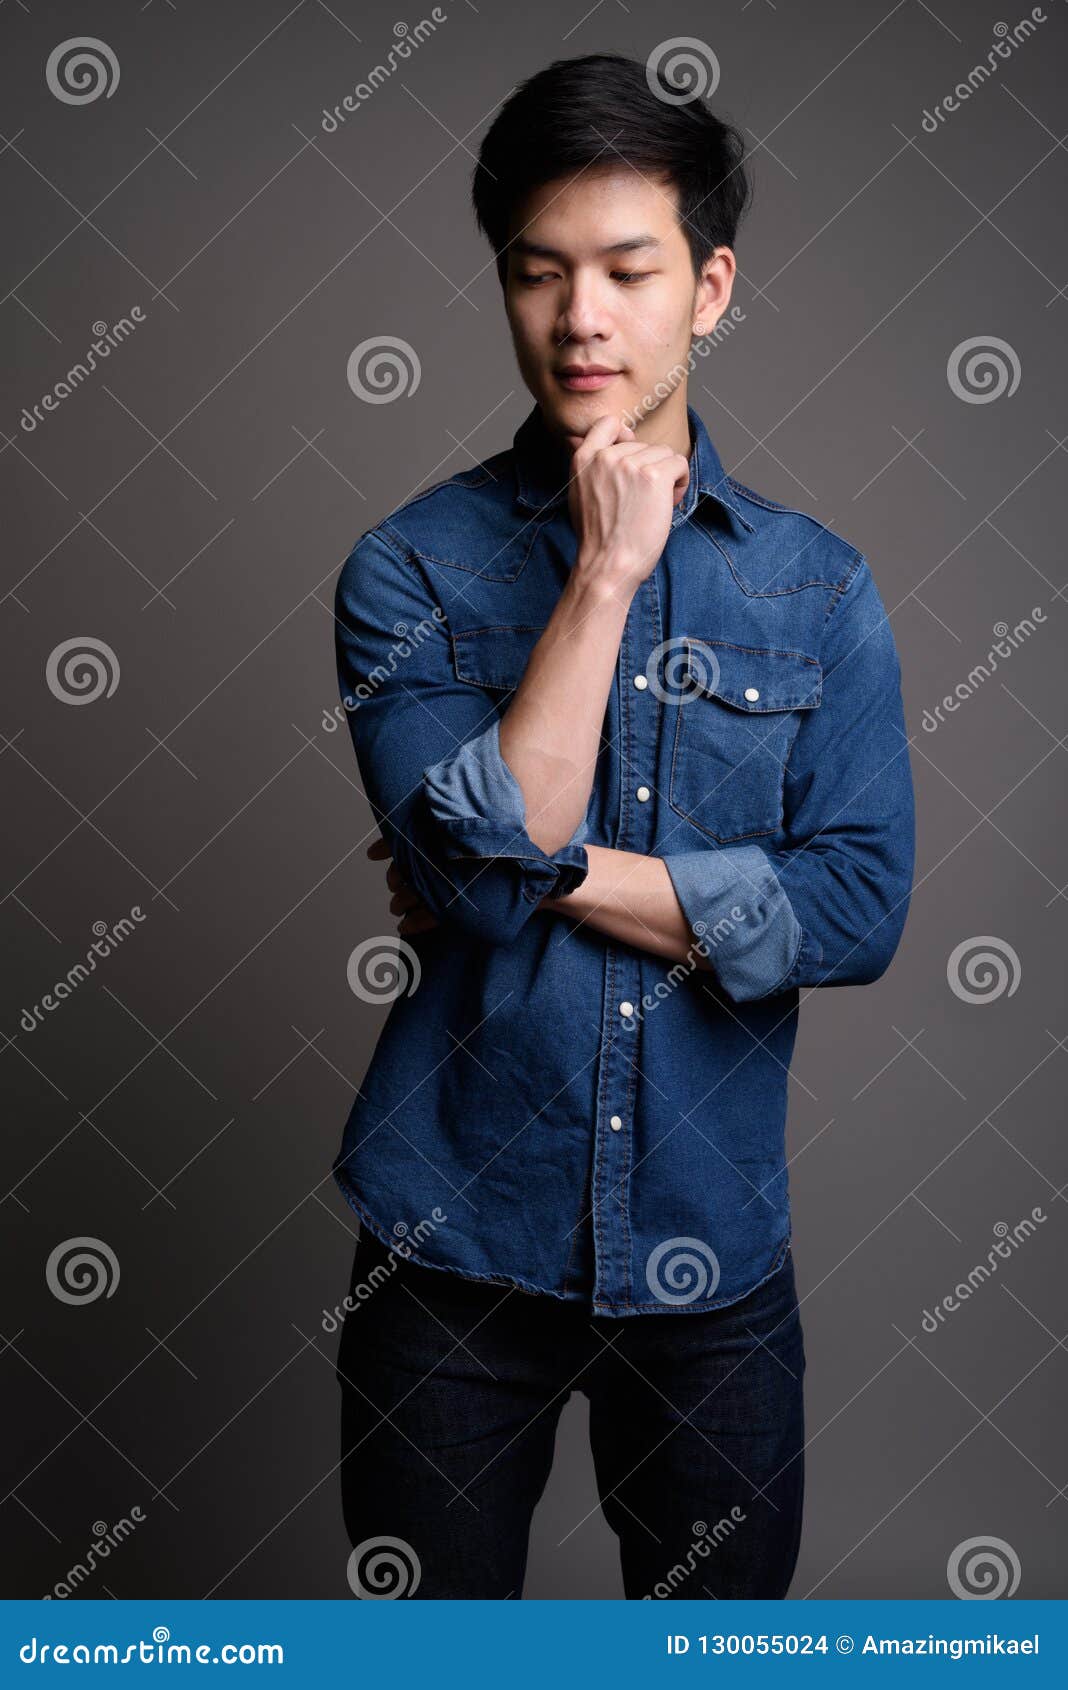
(481, 813)
(736, 907)
(428, 750)
(829, 907)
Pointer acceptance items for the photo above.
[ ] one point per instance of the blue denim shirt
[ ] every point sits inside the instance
(594, 1121)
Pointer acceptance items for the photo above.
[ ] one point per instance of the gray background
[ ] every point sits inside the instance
(192, 504)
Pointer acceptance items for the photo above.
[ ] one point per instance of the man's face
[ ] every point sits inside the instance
(600, 277)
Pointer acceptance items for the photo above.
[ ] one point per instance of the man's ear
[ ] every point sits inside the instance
(713, 293)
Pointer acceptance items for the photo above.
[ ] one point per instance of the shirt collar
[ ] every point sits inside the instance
(543, 468)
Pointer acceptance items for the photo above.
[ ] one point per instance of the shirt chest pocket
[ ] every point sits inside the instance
(738, 712)
(495, 657)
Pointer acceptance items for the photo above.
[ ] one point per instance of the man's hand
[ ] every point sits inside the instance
(620, 501)
(405, 902)
(631, 898)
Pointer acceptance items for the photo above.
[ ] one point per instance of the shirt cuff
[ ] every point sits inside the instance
(743, 919)
(479, 806)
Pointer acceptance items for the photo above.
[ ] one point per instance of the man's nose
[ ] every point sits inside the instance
(585, 315)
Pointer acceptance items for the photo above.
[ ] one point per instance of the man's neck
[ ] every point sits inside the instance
(668, 425)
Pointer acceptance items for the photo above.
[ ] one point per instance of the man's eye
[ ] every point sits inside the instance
(630, 275)
(533, 280)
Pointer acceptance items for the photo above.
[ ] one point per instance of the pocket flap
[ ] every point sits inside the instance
(495, 657)
(753, 678)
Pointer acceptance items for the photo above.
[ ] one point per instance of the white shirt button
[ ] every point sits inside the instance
(626, 1009)
(615, 1123)
(642, 794)
(752, 694)
(641, 682)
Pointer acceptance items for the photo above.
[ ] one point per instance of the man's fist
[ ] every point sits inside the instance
(405, 902)
(621, 498)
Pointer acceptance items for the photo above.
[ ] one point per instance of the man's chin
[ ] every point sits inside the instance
(572, 419)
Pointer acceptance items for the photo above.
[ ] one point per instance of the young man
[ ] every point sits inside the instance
(633, 736)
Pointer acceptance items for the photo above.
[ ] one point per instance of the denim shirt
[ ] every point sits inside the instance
(549, 1107)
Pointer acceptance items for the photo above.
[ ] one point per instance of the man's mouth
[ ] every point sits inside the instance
(585, 378)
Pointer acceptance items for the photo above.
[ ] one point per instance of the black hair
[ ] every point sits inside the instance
(601, 110)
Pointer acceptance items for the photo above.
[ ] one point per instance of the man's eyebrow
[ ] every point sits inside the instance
(533, 249)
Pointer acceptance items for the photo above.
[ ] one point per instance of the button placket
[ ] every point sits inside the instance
(621, 1022)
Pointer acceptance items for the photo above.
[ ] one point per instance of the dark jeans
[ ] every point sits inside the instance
(451, 1392)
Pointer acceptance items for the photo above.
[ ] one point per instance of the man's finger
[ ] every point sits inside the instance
(604, 431)
(395, 879)
(417, 921)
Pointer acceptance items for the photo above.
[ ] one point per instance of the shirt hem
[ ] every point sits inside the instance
(620, 1310)
(347, 1186)
(612, 1311)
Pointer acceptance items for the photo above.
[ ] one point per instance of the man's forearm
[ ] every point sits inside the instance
(631, 897)
(551, 732)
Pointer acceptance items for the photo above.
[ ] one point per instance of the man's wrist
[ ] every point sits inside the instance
(577, 902)
(604, 576)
